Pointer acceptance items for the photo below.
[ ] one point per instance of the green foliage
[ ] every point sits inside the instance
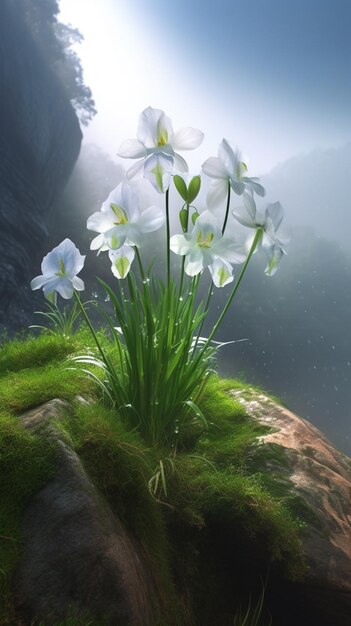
(220, 515)
(59, 322)
(26, 464)
(155, 377)
(253, 614)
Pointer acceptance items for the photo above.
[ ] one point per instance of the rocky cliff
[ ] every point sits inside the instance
(40, 142)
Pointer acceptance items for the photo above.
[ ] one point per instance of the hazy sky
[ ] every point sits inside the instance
(272, 76)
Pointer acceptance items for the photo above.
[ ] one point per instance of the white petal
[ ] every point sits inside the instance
(221, 272)
(250, 205)
(158, 169)
(154, 124)
(193, 263)
(101, 221)
(214, 168)
(78, 284)
(254, 185)
(97, 242)
(180, 245)
(276, 212)
(151, 219)
(274, 258)
(187, 138)
(228, 157)
(244, 217)
(38, 282)
(121, 260)
(229, 250)
(136, 169)
(65, 288)
(68, 254)
(217, 193)
(180, 164)
(237, 186)
(132, 149)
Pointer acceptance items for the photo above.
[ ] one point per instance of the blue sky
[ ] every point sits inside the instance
(272, 76)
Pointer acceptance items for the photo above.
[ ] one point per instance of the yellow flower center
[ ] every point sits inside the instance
(162, 137)
(119, 213)
(204, 242)
(62, 269)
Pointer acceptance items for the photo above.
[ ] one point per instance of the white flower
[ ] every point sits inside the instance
(269, 222)
(155, 146)
(59, 271)
(121, 260)
(228, 168)
(120, 220)
(205, 247)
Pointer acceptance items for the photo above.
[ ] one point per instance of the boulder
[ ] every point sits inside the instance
(77, 555)
(299, 458)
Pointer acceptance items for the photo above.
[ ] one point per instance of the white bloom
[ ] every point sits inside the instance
(59, 271)
(121, 260)
(155, 145)
(121, 221)
(269, 222)
(228, 167)
(206, 247)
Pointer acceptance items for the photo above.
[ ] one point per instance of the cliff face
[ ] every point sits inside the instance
(40, 142)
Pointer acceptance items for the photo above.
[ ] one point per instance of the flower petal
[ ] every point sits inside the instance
(78, 283)
(64, 287)
(121, 260)
(65, 253)
(229, 250)
(228, 157)
(221, 272)
(154, 128)
(135, 170)
(187, 138)
(132, 149)
(151, 219)
(217, 193)
(158, 169)
(214, 168)
(38, 282)
(276, 212)
(274, 258)
(100, 221)
(180, 164)
(253, 185)
(193, 262)
(180, 245)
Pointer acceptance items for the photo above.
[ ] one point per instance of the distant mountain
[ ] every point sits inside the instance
(315, 191)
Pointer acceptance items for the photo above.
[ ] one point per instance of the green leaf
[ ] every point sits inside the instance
(181, 187)
(194, 188)
(197, 411)
(183, 218)
(194, 217)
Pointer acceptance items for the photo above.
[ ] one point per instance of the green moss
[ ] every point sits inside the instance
(26, 463)
(223, 512)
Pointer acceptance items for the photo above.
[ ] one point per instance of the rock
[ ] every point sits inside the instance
(77, 554)
(319, 476)
(40, 142)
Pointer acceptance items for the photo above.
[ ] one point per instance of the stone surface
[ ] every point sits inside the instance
(320, 475)
(77, 554)
(40, 142)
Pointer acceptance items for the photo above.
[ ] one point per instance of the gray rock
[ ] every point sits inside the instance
(77, 554)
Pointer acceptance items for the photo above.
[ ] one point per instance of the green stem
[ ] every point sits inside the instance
(85, 315)
(142, 273)
(168, 240)
(226, 210)
(256, 240)
(210, 289)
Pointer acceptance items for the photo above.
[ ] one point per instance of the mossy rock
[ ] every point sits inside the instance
(232, 515)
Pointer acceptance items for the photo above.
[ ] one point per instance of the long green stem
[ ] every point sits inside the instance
(226, 210)
(168, 240)
(137, 254)
(256, 240)
(85, 315)
(210, 289)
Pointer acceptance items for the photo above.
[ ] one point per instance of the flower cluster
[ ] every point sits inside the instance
(121, 224)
